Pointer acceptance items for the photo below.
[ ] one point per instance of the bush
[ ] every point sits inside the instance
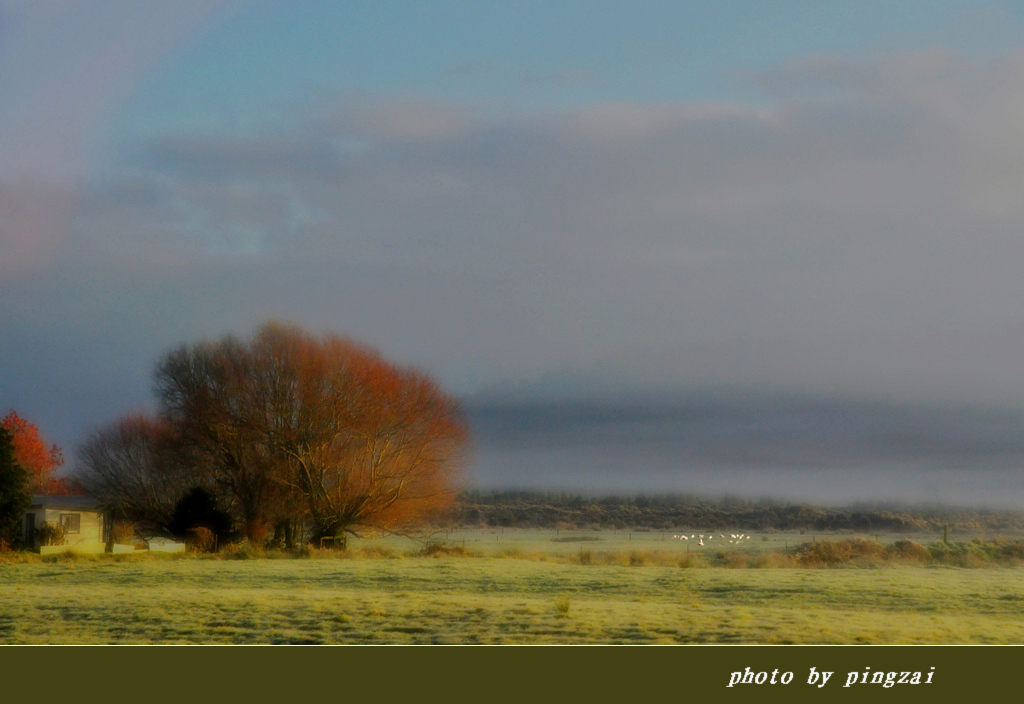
(978, 553)
(907, 551)
(241, 552)
(123, 533)
(200, 539)
(51, 534)
(1007, 551)
(737, 560)
(828, 553)
(637, 559)
(688, 560)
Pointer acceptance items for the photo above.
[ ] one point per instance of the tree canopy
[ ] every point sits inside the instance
(288, 426)
(39, 458)
(133, 466)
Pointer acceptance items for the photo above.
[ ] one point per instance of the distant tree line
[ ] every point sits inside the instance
(287, 434)
(666, 512)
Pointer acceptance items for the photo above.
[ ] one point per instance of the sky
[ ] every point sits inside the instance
(527, 200)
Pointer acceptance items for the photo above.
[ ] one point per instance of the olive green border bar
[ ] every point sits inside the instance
(191, 675)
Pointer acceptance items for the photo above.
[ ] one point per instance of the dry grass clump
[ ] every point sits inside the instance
(123, 532)
(741, 560)
(517, 553)
(770, 560)
(241, 551)
(443, 550)
(640, 558)
(632, 558)
(14, 557)
(736, 560)
(833, 553)
(70, 555)
(689, 560)
(201, 539)
(907, 551)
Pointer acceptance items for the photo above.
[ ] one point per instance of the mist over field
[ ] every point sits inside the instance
(796, 449)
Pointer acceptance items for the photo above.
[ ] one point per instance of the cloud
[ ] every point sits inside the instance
(34, 218)
(556, 79)
(63, 66)
(397, 118)
(858, 237)
(625, 122)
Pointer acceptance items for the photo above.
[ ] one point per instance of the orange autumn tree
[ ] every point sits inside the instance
(289, 423)
(368, 445)
(36, 455)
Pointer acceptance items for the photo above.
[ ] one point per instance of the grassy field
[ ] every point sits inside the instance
(529, 589)
(562, 543)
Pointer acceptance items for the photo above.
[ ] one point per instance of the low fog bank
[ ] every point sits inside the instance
(826, 452)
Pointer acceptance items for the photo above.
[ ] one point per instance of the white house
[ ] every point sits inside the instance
(85, 523)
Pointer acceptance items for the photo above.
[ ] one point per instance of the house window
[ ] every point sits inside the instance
(71, 522)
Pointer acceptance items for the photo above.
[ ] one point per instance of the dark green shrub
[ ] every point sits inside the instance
(14, 493)
(198, 509)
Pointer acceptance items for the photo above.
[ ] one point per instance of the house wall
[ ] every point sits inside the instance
(90, 525)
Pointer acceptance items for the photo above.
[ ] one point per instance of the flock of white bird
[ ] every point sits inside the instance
(734, 538)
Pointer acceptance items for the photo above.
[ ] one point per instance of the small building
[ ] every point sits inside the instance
(84, 521)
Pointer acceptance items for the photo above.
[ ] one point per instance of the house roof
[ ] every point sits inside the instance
(82, 503)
